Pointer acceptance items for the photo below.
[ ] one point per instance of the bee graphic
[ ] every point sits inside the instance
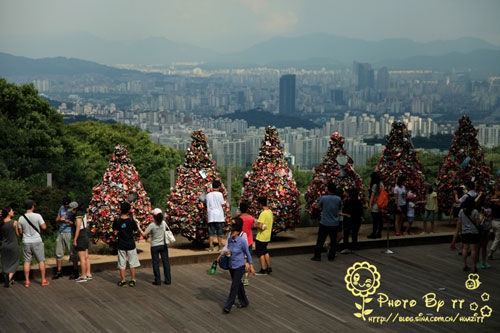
(472, 281)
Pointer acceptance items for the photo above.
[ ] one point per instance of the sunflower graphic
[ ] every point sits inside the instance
(362, 280)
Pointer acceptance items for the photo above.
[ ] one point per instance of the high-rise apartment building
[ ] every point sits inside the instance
(383, 79)
(287, 94)
(363, 75)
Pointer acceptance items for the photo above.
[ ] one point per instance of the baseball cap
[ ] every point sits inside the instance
(73, 205)
(157, 211)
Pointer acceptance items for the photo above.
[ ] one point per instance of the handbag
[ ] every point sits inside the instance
(224, 263)
(169, 236)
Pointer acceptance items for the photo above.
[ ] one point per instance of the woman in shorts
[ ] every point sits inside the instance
(469, 221)
(81, 244)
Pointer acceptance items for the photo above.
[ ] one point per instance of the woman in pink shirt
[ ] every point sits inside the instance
(248, 225)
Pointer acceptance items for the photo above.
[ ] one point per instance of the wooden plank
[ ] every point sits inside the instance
(299, 296)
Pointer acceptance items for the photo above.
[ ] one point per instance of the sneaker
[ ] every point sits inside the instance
(45, 283)
(269, 270)
(156, 283)
(479, 265)
(166, 282)
(240, 306)
(245, 282)
(486, 265)
(422, 233)
(378, 236)
(345, 251)
(58, 275)
(74, 276)
(27, 284)
(316, 259)
(211, 249)
(262, 272)
(131, 283)
(89, 277)
(122, 284)
(227, 311)
(81, 279)
(398, 234)
(371, 236)
(11, 282)
(411, 233)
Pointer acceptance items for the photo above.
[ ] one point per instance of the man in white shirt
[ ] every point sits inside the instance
(216, 220)
(30, 226)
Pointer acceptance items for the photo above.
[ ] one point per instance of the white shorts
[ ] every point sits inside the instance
(129, 256)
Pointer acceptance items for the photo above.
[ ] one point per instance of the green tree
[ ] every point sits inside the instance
(31, 133)
(431, 163)
(92, 144)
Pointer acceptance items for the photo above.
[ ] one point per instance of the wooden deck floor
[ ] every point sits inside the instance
(299, 296)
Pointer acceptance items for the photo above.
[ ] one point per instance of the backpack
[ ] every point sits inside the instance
(382, 199)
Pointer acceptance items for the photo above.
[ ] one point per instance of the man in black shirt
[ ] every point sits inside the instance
(124, 227)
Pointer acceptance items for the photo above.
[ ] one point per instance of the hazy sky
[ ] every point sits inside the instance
(227, 25)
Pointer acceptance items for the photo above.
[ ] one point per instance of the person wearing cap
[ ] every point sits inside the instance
(64, 236)
(238, 253)
(30, 226)
(158, 246)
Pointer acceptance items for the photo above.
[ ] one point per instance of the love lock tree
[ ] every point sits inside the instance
(399, 159)
(186, 209)
(272, 178)
(336, 167)
(464, 162)
(120, 183)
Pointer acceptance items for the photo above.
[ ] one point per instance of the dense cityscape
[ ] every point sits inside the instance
(358, 102)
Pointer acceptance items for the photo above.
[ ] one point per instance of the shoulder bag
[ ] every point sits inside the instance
(169, 236)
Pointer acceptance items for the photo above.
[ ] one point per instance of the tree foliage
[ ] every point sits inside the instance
(35, 141)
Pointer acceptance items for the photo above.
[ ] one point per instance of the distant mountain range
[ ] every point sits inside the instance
(345, 50)
(153, 50)
(482, 63)
(21, 66)
(312, 49)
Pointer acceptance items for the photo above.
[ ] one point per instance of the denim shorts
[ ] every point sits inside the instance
(216, 228)
(429, 215)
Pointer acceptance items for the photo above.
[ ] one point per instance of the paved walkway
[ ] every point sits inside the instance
(299, 296)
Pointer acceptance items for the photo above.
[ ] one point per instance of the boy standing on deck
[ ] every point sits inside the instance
(124, 227)
(265, 227)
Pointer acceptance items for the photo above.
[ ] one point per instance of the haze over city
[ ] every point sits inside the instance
(232, 67)
(234, 25)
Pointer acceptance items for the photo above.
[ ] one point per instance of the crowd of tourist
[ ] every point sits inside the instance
(342, 212)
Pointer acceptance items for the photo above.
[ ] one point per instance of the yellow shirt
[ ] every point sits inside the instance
(266, 218)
